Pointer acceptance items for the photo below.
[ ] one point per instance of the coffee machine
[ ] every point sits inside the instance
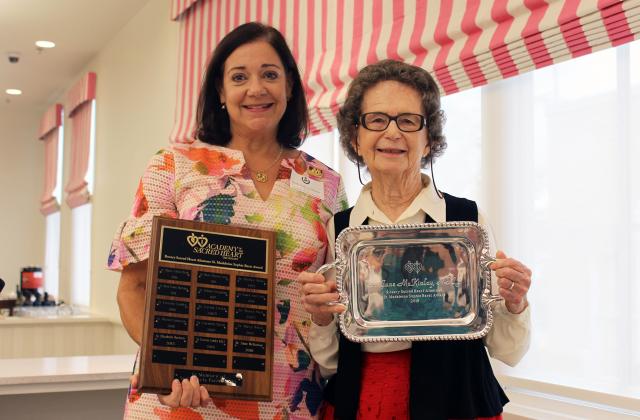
(31, 292)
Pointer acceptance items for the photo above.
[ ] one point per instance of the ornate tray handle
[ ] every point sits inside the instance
(344, 299)
(485, 261)
(487, 297)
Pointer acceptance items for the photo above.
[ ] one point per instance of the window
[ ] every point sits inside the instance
(581, 230)
(551, 156)
(458, 170)
(81, 255)
(81, 233)
(52, 255)
(52, 233)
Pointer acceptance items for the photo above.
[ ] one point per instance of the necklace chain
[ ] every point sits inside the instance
(261, 175)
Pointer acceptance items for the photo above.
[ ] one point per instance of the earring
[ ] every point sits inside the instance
(359, 176)
(433, 179)
(223, 106)
(358, 163)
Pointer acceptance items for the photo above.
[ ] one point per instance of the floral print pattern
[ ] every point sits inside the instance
(212, 183)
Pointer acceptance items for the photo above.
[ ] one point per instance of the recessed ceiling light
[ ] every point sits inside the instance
(45, 44)
(14, 91)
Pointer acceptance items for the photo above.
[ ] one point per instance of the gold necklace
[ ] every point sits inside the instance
(261, 175)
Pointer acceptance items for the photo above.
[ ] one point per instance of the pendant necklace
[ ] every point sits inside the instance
(261, 175)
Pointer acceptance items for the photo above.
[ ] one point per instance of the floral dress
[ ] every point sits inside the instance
(213, 184)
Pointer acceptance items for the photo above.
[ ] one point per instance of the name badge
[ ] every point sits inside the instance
(307, 185)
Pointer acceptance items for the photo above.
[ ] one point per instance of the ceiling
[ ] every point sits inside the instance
(80, 28)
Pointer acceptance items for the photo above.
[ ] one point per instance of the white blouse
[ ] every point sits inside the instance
(508, 340)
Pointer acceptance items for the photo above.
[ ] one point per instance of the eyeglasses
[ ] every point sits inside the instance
(379, 121)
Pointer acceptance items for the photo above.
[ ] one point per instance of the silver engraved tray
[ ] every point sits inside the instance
(414, 282)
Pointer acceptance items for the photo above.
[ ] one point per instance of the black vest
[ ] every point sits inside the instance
(449, 379)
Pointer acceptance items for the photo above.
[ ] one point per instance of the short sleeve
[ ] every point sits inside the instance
(155, 197)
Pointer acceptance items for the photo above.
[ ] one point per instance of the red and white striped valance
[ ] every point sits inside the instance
(84, 90)
(81, 113)
(51, 120)
(464, 44)
(48, 203)
(48, 133)
(178, 7)
(77, 187)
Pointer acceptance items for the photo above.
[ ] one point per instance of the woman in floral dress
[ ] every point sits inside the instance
(243, 170)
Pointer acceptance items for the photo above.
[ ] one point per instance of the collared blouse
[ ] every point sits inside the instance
(508, 340)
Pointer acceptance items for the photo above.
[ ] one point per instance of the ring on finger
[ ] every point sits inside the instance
(513, 283)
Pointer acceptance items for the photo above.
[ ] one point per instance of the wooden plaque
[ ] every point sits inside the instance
(209, 309)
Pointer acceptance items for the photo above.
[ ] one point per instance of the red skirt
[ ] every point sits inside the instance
(384, 387)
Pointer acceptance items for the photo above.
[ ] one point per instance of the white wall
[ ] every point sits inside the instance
(136, 90)
(135, 96)
(21, 182)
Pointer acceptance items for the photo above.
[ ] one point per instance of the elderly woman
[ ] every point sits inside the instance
(391, 122)
(242, 170)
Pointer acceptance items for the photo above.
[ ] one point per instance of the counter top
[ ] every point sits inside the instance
(53, 319)
(62, 374)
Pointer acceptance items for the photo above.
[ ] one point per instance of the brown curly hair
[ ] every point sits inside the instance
(407, 74)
